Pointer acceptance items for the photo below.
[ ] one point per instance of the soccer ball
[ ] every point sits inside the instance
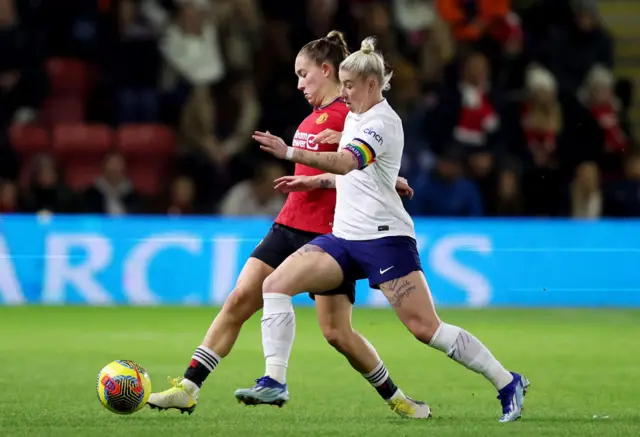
(123, 387)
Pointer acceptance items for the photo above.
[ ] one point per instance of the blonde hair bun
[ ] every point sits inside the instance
(368, 45)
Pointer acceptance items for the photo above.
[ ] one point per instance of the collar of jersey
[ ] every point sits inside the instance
(337, 99)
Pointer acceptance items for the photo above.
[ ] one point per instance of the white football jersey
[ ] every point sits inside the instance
(368, 206)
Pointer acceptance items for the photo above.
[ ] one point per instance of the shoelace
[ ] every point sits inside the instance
(402, 405)
(175, 382)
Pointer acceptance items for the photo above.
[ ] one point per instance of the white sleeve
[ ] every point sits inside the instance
(369, 143)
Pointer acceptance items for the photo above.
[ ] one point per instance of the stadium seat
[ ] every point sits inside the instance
(148, 149)
(145, 140)
(29, 139)
(63, 110)
(68, 76)
(80, 150)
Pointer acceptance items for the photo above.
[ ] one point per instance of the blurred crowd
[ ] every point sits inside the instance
(147, 106)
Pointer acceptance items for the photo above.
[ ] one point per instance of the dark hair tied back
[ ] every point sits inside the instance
(331, 49)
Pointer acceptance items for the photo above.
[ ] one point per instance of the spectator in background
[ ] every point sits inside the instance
(482, 171)
(194, 66)
(22, 82)
(46, 192)
(424, 36)
(574, 48)
(8, 197)
(540, 116)
(478, 118)
(182, 197)
(622, 198)
(158, 12)
(134, 65)
(598, 97)
(624, 91)
(466, 114)
(112, 193)
(194, 73)
(193, 57)
(256, 196)
(445, 191)
(470, 20)
(239, 25)
(22, 78)
(488, 26)
(534, 139)
(509, 197)
(586, 196)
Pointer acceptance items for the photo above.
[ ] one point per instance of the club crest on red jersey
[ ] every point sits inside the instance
(323, 117)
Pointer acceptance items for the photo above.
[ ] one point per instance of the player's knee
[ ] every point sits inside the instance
(338, 338)
(422, 329)
(242, 303)
(271, 284)
(276, 283)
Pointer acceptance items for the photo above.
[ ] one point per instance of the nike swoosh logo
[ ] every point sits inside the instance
(382, 272)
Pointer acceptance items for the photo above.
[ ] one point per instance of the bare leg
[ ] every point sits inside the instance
(243, 302)
(334, 316)
(411, 299)
(309, 269)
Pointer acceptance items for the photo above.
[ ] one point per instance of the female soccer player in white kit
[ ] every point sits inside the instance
(373, 237)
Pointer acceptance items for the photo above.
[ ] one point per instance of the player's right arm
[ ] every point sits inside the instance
(287, 184)
(328, 136)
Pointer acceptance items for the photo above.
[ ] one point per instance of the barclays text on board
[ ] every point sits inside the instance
(149, 261)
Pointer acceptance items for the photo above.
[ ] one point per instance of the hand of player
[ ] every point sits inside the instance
(287, 184)
(328, 136)
(403, 188)
(271, 143)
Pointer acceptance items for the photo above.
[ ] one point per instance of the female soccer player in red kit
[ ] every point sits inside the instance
(305, 215)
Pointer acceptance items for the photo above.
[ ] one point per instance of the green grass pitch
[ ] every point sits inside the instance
(583, 365)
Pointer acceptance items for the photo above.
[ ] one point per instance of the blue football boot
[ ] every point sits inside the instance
(267, 391)
(512, 398)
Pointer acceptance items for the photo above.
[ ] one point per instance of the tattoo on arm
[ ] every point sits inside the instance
(326, 183)
(398, 290)
(332, 162)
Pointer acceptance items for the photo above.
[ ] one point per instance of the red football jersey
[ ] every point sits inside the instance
(312, 211)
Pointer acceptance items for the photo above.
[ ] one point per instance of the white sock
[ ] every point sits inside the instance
(192, 387)
(278, 332)
(467, 350)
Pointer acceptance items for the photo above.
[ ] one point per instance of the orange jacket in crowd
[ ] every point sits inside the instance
(471, 28)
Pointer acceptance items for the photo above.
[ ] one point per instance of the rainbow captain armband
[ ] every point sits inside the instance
(363, 152)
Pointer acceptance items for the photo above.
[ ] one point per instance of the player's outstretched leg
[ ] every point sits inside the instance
(334, 316)
(308, 269)
(241, 304)
(411, 299)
